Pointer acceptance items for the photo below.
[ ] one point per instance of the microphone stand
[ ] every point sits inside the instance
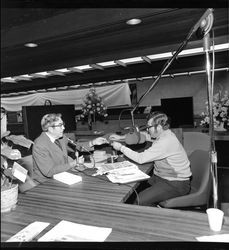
(80, 146)
(207, 18)
(213, 154)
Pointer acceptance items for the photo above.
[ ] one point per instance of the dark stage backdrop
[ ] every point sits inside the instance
(180, 110)
(32, 118)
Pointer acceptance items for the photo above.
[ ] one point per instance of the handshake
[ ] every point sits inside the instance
(112, 140)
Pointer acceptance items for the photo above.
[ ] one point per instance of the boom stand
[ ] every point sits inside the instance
(213, 154)
(204, 25)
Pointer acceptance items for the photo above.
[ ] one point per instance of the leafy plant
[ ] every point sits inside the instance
(9, 155)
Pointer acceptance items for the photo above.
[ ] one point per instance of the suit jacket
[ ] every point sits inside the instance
(48, 158)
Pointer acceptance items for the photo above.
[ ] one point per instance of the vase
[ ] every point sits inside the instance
(220, 127)
(9, 198)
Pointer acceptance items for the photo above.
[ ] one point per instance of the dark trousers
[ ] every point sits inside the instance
(160, 189)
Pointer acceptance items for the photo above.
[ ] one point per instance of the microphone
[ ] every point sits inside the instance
(134, 137)
(79, 147)
(205, 26)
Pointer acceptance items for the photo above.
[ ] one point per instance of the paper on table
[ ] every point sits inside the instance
(116, 166)
(70, 231)
(214, 238)
(67, 178)
(127, 177)
(29, 232)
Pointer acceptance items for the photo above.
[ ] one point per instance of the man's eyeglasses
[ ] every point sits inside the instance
(58, 125)
(148, 127)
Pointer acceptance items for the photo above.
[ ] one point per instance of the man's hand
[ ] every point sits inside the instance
(116, 145)
(99, 141)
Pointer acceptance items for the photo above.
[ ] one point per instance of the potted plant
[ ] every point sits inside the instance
(9, 184)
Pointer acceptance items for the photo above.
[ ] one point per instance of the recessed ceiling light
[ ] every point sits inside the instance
(31, 45)
(134, 21)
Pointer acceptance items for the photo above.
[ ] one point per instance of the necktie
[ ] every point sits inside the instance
(57, 142)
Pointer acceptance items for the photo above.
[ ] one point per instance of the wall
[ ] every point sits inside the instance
(182, 86)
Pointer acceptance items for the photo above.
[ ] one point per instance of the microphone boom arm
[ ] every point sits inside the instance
(170, 60)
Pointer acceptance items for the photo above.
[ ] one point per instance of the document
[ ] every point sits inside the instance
(67, 178)
(122, 172)
(127, 176)
(116, 166)
(29, 232)
(70, 231)
(19, 172)
(214, 238)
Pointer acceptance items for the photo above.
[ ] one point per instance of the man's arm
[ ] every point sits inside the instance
(89, 145)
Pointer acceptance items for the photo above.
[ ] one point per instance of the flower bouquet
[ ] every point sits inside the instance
(220, 112)
(93, 108)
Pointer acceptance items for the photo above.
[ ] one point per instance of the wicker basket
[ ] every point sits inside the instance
(9, 198)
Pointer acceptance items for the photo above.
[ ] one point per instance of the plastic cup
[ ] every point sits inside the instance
(215, 218)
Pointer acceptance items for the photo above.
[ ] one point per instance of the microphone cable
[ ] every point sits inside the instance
(213, 60)
(120, 115)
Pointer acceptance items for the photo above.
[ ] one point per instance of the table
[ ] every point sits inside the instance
(97, 188)
(128, 222)
(98, 203)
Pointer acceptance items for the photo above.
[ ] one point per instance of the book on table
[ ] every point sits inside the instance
(67, 178)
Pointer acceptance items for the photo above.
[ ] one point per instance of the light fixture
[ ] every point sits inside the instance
(109, 63)
(83, 67)
(133, 21)
(64, 70)
(30, 45)
(121, 62)
(132, 60)
(160, 56)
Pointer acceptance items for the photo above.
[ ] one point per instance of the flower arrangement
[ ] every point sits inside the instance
(220, 112)
(93, 107)
(8, 154)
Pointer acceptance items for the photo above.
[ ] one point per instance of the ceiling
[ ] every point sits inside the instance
(73, 37)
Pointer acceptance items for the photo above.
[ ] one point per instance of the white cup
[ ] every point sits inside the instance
(215, 218)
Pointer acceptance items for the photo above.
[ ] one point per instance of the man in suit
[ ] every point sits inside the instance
(50, 150)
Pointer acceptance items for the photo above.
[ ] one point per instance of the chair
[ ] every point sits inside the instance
(200, 183)
(195, 140)
(179, 134)
(27, 163)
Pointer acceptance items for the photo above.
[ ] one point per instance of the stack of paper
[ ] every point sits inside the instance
(116, 166)
(67, 178)
(122, 172)
(69, 231)
(127, 176)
